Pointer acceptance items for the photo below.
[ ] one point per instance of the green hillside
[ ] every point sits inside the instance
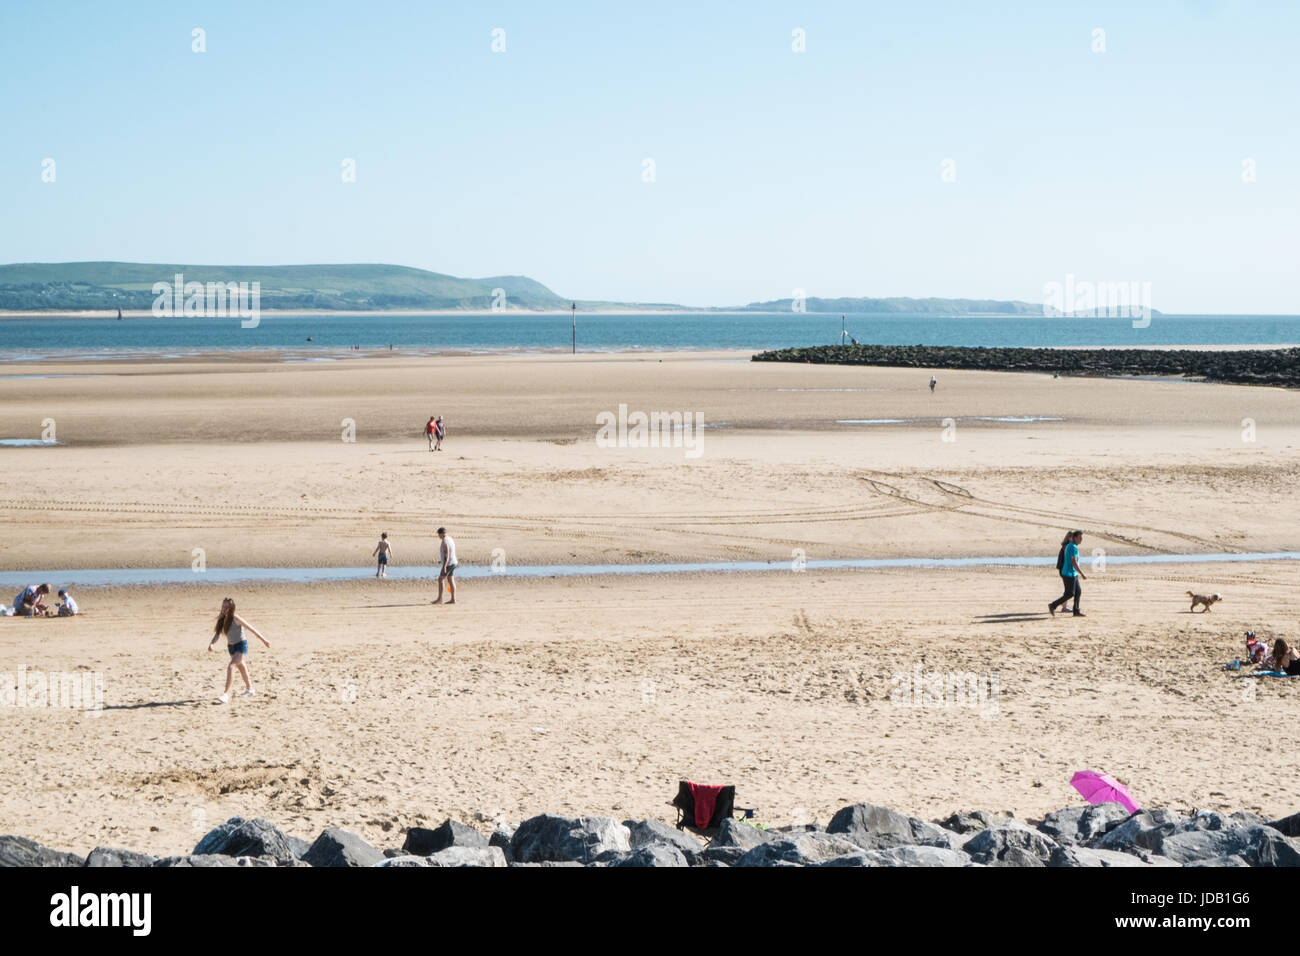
(66, 286)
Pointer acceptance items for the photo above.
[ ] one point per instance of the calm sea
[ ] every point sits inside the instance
(34, 338)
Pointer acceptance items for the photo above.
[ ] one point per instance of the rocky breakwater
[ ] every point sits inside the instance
(1104, 835)
(1279, 367)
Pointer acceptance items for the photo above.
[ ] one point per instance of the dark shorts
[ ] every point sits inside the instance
(240, 648)
(450, 572)
(383, 559)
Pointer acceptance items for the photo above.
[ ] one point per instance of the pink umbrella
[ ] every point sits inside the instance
(1103, 788)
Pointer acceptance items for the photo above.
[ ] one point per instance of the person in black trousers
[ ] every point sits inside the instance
(1071, 574)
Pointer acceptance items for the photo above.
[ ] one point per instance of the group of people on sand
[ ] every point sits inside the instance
(1283, 659)
(232, 627)
(435, 431)
(384, 553)
(30, 602)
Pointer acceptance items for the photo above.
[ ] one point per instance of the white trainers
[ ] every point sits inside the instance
(223, 699)
(248, 693)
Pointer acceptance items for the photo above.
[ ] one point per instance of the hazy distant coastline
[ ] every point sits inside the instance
(88, 289)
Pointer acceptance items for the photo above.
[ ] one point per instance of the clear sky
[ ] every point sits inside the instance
(773, 169)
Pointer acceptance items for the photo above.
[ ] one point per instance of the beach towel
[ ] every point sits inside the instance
(1273, 674)
(703, 807)
(705, 798)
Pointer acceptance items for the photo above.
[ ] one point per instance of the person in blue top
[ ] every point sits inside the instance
(1067, 563)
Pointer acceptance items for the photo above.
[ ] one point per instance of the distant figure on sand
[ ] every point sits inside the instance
(1067, 564)
(428, 432)
(439, 433)
(232, 626)
(933, 382)
(447, 571)
(384, 550)
(68, 608)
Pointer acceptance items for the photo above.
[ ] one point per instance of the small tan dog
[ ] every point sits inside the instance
(1207, 599)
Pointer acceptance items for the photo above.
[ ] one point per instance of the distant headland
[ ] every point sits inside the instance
(129, 286)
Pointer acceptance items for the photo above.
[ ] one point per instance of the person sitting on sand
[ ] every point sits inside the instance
(232, 626)
(1070, 573)
(384, 550)
(1284, 658)
(68, 607)
(27, 603)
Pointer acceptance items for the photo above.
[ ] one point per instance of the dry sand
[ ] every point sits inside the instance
(377, 711)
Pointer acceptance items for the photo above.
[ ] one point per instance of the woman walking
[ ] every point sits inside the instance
(1067, 563)
(232, 626)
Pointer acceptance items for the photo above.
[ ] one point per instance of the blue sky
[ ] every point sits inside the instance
(774, 170)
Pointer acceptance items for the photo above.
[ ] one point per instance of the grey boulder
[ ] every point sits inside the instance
(804, 849)
(917, 856)
(968, 823)
(423, 842)
(643, 833)
(653, 854)
(1258, 846)
(1011, 844)
(1082, 824)
(341, 848)
(548, 838)
(111, 856)
(240, 837)
(879, 828)
(1082, 856)
(20, 851)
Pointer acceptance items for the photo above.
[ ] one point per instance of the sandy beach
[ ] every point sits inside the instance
(597, 694)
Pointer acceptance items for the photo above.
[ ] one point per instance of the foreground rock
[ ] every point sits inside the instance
(452, 856)
(423, 842)
(862, 835)
(341, 848)
(1010, 844)
(548, 838)
(1083, 824)
(649, 833)
(110, 856)
(805, 849)
(20, 851)
(878, 828)
(240, 837)
(734, 833)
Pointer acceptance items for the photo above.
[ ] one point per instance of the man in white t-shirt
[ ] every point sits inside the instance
(447, 572)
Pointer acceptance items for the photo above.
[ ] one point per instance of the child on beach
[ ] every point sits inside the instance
(232, 626)
(384, 550)
(68, 607)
